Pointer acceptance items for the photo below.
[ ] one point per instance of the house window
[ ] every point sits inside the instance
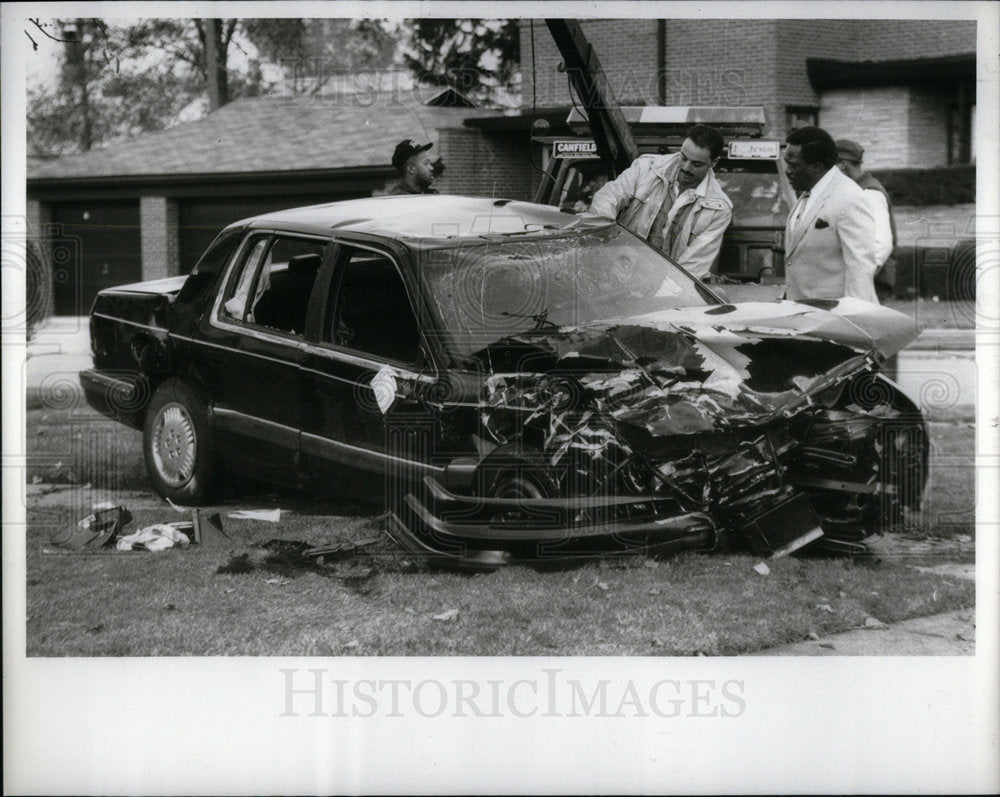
(797, 116)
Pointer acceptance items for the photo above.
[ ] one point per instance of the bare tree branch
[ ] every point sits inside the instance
(38, 25)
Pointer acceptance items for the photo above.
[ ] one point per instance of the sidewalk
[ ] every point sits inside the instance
(58, 352)
(948, 634)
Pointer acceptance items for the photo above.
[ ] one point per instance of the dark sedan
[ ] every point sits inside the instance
(514, 382)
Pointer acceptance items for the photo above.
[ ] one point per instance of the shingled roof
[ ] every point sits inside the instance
(267, 134)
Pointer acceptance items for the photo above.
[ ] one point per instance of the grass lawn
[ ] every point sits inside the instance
(384, 603)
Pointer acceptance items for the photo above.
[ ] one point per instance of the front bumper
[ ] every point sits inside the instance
(477, 533)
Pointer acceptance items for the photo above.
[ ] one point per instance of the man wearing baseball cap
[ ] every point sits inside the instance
(850, 155)
(415, 167)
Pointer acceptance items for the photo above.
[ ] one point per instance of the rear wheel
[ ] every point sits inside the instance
(177, 444)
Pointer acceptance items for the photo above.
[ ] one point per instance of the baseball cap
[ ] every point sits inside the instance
(405, 150)
(849, 150)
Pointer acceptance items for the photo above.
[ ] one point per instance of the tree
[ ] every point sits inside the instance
(477, 57)
(119, 81)
(108, 86)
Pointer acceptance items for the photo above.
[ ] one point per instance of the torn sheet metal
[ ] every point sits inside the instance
(758, 423)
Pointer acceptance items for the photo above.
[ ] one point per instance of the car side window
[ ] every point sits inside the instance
(274, 284)
(373, 314)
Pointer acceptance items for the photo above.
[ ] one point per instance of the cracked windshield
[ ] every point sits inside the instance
(499, 288)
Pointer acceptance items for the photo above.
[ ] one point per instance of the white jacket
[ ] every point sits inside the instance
(830, 251)
(635, 197)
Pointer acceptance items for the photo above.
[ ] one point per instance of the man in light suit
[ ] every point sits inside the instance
(830, 233)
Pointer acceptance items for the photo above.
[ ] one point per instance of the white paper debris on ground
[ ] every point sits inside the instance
(270, 515)
(451, 614)
(762, 568)
(384, 385)
(157, 537)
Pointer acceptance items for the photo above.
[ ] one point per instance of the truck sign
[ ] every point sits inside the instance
(574, 149)
(767, 150)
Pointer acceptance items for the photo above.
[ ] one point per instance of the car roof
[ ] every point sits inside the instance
(426, 217)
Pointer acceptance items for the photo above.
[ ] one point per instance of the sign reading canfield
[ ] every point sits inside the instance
(574, 149)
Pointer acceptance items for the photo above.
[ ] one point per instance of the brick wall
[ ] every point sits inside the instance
(893, 39)
(736, 61)
(626, 49)
(721, 62)
(39, 227)
(482, 165)
(877, 118)
(928, 127)
(160, 239)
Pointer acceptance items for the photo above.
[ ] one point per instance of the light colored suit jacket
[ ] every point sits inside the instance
(830, 253)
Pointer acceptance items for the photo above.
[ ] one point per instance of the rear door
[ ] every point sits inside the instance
(365, 375)
(250, 349)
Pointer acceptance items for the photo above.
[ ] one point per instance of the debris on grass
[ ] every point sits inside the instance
(872, 622)
(762, 568)
(824, 607)
(268, 515)
(97, 530)
(237, 565)
(450, 614)
(288, 558)
(156, 537)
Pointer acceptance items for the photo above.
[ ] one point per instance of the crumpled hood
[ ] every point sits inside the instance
(859, 325)
(699, 369)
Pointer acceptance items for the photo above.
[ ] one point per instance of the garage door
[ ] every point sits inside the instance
(98, 246)
(201, 219)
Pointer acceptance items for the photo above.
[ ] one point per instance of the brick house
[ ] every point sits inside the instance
(904, 89)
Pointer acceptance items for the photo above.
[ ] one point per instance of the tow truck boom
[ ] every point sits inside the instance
(611, 133)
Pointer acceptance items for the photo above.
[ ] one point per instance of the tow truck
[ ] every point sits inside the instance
(606, 138)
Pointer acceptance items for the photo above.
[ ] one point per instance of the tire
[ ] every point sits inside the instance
(177, 445)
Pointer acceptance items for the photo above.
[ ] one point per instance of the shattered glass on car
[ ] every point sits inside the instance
(505, 286)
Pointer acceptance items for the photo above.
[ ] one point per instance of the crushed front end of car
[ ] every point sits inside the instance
(766, 427)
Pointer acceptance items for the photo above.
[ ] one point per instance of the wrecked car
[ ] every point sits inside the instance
(514, 382)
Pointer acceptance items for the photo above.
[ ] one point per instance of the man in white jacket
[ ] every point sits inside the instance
(830, 233)
(674, 201)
